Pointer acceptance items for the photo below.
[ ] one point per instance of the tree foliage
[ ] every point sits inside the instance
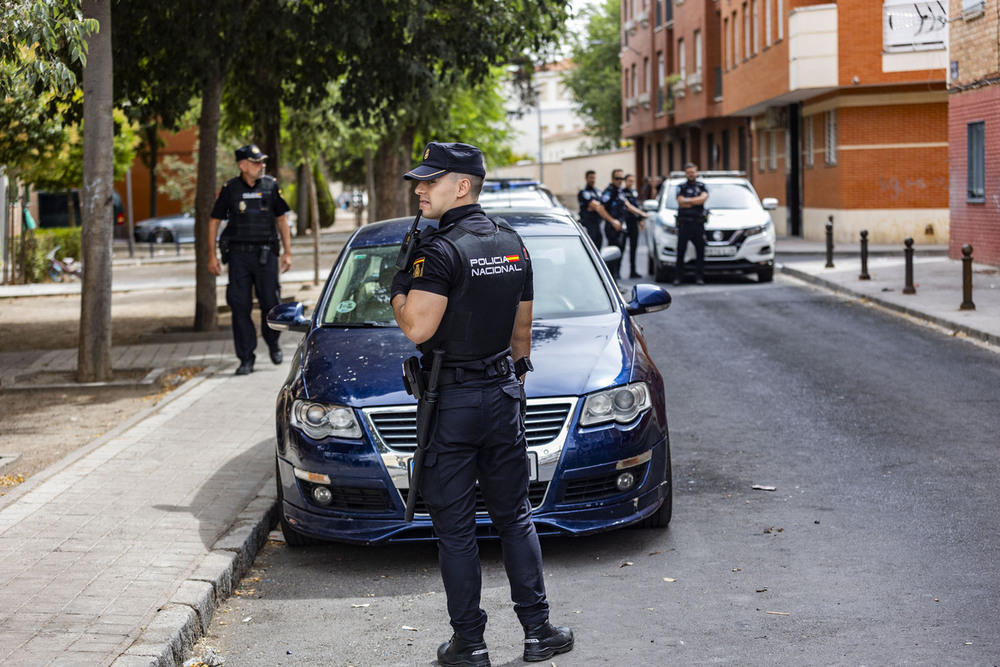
(595, 83)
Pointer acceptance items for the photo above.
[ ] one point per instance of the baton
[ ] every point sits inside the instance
(426, 413)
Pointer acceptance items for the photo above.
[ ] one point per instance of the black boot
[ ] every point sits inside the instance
(545, 640)
(457, 652)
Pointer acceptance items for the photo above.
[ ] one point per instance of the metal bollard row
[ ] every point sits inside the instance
(864, 256)
(967, 303)
(829, 243)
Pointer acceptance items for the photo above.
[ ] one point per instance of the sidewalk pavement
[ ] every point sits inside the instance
(119, 554)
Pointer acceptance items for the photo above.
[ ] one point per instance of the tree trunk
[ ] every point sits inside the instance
(392, 160)
(94, 358)
(153, 141)
(314, 207)
(302, 198)
(206, 310)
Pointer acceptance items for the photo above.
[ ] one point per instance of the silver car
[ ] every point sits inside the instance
(739, 234)
(165, 229)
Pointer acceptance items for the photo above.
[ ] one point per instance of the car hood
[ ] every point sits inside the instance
(363, 367)
(732, 218)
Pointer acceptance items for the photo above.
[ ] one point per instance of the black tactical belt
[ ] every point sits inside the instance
(247, 247)
(498, 369)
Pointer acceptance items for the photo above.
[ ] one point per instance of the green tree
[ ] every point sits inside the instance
(595, 83)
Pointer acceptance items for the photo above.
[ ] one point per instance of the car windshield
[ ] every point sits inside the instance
(566, 280)
(720, 196)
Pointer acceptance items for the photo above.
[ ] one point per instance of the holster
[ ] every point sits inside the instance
(413, 378)
(224, 250)
(262, 257)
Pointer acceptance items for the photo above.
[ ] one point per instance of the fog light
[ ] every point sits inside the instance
(625, 481)
(322, 495)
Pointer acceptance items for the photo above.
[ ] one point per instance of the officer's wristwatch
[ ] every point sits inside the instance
(522, 366)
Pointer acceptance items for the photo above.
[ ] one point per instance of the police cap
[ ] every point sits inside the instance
(250, 152)
(439, 159)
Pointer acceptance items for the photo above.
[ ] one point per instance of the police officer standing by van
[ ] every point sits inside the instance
(590, 219)
(469, 293)
(257, 218)
(691, 197)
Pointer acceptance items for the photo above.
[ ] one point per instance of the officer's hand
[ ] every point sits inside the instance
(214, 266)
(286, 261)
(617, 226)
(400, 284)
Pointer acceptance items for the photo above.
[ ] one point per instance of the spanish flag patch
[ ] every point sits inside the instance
(418, 267)
(513, 258)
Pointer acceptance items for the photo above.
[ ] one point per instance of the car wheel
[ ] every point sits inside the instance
(661, 517)
(162, 236)
(664, 273)
(293, 538)
(766, 275)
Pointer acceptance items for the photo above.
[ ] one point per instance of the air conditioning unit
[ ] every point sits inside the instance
(775, 118)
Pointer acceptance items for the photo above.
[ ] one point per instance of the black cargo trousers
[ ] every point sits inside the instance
(479, 434)
(246, 277)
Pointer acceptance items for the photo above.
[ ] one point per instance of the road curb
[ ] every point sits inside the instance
(169, 637)
(971, 332)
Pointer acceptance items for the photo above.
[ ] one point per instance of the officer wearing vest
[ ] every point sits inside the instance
(469, 293)
(590, 219)
(614, 203)
(256, 212)
(691, 197)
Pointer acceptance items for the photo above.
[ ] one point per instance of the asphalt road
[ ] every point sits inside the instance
(877, 545)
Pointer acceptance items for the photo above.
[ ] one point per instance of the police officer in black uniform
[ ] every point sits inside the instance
(256, 212)
(469, 292)
(634, 217)
(614, 208)
(691, 197)
(590, 219)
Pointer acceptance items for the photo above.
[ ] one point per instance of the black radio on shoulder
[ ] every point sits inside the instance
(410, 241)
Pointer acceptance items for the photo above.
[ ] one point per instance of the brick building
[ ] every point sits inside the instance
(834, 108)
(974, 129)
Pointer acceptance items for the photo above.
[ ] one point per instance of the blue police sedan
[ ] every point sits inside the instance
(597, 436)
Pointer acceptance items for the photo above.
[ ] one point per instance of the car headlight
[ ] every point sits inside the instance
(620, 404)
(320, 420)
(666, 227)
(759, 229)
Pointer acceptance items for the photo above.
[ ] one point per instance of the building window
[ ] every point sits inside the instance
(807, 141)
(830, 138)
(755, 10)
(781, 19)
(681, 59)
(772, 150)
(760, 151)
(914, 26)
(646, 84)
(767, 21)
(727, 46)
(741, 140)
(977, 162)
(746, 32)
(697, 53)
(736, 40)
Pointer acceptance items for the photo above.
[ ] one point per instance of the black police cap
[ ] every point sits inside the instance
(250, 152)
(439, 159)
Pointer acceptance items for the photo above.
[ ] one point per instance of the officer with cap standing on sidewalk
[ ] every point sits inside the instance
(469, 293)
(256, 212)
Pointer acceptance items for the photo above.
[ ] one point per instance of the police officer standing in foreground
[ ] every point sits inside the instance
(469, 292)
(256, 212)
(691, 197)
(590, 219)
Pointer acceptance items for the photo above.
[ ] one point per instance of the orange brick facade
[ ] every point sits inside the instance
(785, 78)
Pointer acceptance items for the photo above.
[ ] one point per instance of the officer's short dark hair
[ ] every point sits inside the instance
(475, 184)
(616, 170)
(590, 172)
(689, 165)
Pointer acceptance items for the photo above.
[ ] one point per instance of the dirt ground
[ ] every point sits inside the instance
(45, 425)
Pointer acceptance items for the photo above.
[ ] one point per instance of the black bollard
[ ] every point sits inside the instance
(967, 279)
(829, 243)
(864, 256)
(908, 252)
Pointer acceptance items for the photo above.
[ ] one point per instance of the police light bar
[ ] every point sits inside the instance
(494, 186)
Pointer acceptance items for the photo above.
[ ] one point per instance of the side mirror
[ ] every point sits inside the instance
(769, 203)
(647, 298)
(288, 317)
(610, 253)
(650, 205)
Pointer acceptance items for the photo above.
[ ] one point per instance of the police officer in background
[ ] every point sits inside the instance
(613, 209)
(256, 212)
(469, 292)
(691, 197)
(590, 219)
(634, 217)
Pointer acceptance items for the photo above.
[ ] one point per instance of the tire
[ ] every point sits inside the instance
(161, 236)
(55, 274)
(663, 273)
(661, 517)
(765, 275)
(293, 538)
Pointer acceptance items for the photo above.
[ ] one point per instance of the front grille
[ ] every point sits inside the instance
(396, 427)
(348, 499)
(536, 494)
(729, 236)
(600, 487)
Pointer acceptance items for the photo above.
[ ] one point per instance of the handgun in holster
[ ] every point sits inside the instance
(224, 250)
(264, 251)
(413, 378)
